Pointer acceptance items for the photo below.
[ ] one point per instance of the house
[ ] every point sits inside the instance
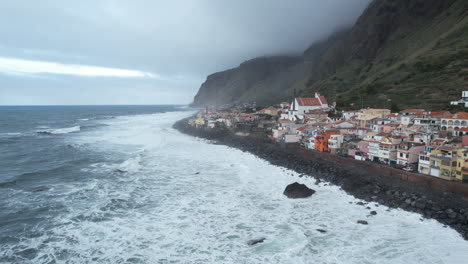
(407, 116)
(438, 142)
(394, 117)
(377, 124)
(284, 105)
(463, 101)
(389, 127)
(408, 153)
(430, 120)
(269, 111)
(309, 142)
(424, 166)
(359, 150)
(388, 147)
(321, 139)
(374, 144)
(302, 105)
(461, 131)
(465, 141)
(316, 114)
(348, 115)
(365, 115)
(334, 143)
(448, 163)
(454, 122)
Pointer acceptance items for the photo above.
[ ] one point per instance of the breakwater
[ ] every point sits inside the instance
(369, 182)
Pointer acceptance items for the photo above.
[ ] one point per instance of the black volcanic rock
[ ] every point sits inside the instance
(255, 241)
(297, 190)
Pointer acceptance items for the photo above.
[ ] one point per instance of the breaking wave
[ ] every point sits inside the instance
(65, 130)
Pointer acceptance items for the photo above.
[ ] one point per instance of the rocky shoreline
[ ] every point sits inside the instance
(366, 184)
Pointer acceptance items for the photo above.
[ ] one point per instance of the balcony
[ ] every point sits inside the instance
(440, 156)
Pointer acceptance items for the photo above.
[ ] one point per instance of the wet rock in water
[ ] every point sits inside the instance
(255, 241)
(373, 212)
(321, 230)
(362, 222)
(44, 133)
(40, 189)
(360, 203)
(297, 190)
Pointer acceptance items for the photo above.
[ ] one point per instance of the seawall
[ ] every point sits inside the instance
(428, 196)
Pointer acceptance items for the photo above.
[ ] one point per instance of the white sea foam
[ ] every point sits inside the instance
(182, 200)
(12, 134)
(65, 130)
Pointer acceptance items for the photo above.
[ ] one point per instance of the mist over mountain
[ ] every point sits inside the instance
(410, 52)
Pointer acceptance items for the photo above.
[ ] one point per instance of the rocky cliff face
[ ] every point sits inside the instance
(412, 53)
(232, 85)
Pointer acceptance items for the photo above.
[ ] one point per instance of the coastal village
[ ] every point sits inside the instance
(422, 141)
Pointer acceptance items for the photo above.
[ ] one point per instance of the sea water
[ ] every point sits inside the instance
(118, 184)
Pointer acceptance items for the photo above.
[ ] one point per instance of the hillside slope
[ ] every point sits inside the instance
(413, 53)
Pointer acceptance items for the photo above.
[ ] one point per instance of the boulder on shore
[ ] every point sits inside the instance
(297, 190)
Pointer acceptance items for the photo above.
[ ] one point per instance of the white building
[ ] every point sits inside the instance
(453, 122)
(302, 105)
(463, 101)
(334, 143)
(347, 115)
(424, 162)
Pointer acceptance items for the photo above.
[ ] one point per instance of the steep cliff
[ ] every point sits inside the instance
(412, 53)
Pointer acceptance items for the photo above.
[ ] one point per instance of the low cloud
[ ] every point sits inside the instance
(31, 67)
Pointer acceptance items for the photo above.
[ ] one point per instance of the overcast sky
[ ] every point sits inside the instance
(147, 52)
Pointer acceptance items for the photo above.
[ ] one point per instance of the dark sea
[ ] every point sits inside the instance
(117, 184)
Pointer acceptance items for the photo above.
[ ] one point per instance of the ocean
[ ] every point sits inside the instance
(117, 184)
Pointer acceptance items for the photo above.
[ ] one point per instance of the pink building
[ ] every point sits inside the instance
(465, 142)
(408, 152)
(360, 151)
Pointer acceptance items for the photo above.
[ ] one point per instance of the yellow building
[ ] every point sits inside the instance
(449, 163)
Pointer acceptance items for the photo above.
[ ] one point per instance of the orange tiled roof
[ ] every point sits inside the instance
(310, 101)
(439, 113)
(412, 111)
(459, 115)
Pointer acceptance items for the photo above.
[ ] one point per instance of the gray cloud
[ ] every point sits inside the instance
(182, 41)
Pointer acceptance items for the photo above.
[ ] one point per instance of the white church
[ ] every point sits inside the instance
(303, 105)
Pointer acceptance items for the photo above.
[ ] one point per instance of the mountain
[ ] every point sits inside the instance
(406, 53)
